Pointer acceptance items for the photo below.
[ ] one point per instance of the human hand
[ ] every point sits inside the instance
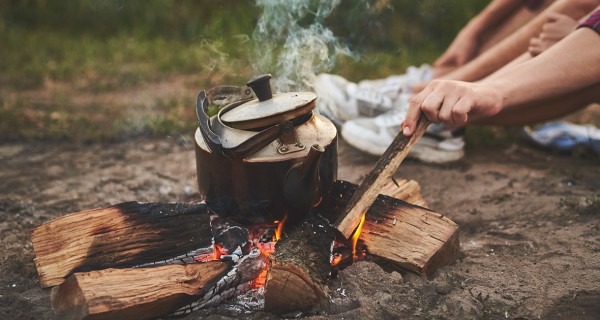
(461, 50)
(453, 103)
(556, 27)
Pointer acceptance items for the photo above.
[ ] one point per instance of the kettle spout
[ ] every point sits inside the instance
(302, 187)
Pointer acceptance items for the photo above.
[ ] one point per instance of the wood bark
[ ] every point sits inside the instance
(123, 235)
(411, 237)
(134, 293)
(371, 186)
(299, 268)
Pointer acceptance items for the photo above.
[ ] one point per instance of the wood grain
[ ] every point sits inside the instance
(123, 235)
(134, 293)
(373, 183)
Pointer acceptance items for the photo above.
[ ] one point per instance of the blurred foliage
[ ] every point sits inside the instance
(101, 46)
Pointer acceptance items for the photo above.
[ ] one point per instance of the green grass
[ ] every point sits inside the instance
(55, 52)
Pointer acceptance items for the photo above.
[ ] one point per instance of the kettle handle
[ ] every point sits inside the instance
(242, 150)
(213, 141)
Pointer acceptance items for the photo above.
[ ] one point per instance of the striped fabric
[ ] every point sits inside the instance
(593, 22)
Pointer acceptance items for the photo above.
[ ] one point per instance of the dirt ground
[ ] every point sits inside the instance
(530, 242)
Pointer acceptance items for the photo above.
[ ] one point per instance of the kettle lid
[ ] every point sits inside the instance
(269, 109)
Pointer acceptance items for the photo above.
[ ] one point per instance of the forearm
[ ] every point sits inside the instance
(571, 64)
(517, 43)
(491, 15)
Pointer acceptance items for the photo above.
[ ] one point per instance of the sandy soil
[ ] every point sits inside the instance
(523, 255)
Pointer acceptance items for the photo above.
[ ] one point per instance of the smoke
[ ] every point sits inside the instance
(293, 43)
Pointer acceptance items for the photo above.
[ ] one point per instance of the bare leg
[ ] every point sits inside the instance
(518, 19)
(518, 42)
(548, 109)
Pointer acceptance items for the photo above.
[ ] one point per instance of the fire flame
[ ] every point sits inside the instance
(356, 235)
(267, 249)
(261, 280)
(218, 252)
(279, 230)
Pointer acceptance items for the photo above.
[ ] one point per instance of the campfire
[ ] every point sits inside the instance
(146, 260)
(266, 236)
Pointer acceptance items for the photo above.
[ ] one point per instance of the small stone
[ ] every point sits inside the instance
(443, 289)
(396, 277)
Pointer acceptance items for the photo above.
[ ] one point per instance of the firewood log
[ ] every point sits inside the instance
(123, 235)
(299, 268)
(134, 293)
(411, 237)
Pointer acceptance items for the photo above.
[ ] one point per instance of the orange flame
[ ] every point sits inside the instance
(336, 259)
(279, 229)
(218, 250)
(261, 280)
(356, 235)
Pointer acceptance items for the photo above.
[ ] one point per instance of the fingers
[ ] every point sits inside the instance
(460, 111)
(413, 113)
(450, 102)
(432, 105)
(444, 60)
(535, 46)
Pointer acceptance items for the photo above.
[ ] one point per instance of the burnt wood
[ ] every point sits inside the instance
(299, 269)
(134, 293)
(371, 186)
(123, 235)
(411, 237)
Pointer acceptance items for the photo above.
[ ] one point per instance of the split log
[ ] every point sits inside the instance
(299, 269)
(368, 190)
(405, 190)
(135, 293)
(411, 237)
(123, 235)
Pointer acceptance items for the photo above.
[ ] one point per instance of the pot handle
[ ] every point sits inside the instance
(242, 150)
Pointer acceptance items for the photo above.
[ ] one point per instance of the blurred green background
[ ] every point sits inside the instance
(104, 70)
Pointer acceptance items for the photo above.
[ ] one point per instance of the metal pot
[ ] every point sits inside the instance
(259, 160)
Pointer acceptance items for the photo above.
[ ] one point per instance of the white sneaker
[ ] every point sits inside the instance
(439, 145)
(341, 100)
(374, 135)
(335, 97)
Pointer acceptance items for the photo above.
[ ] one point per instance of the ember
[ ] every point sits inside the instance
(189, 253)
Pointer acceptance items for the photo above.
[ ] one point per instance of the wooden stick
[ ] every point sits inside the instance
(123, 235)
(411, 237)
(138, 293)
(371, 186)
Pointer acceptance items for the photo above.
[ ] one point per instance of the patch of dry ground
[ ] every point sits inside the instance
(523, 255)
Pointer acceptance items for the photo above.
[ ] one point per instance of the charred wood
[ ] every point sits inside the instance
(411, 237)
(299, 268)
(124, 235)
